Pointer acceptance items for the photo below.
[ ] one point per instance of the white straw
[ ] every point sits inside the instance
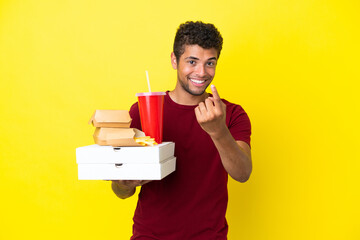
(147, 77)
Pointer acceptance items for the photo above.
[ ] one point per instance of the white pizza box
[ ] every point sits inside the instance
(126, 171)
(96, 154)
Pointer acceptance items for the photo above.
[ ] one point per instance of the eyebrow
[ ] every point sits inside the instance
(195, 58)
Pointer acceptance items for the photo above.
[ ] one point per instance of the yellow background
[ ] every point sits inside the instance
(293, 65)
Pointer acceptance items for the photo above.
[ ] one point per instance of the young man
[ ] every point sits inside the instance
(212, 141)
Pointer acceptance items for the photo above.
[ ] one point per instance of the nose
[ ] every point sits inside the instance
(200, 70)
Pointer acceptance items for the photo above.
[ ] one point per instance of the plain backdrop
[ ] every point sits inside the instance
(293, 65)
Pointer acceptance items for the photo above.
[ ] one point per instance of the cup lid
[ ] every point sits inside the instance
(150, 94)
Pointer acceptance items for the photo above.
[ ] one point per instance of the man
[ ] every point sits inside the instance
(212, 141)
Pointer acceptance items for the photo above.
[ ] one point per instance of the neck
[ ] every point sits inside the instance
(180, 96)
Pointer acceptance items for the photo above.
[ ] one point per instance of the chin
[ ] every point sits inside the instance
(199, 93)
(195, 92)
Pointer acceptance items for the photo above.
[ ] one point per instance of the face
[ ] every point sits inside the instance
(195, 69)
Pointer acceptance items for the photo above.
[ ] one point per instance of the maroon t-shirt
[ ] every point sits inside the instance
(191, 202)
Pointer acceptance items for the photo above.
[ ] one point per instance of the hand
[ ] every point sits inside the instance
(211, 115)
(126, 188)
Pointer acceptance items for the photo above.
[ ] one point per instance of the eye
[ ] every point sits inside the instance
(192, 62)
(211, 64)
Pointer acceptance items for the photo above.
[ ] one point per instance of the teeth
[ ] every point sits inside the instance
(197, 81)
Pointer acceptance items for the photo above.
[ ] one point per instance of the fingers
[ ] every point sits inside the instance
(205, 109)
(206, 106)
(216, 98)
(198, 113)
(211, 109)
(215, 93)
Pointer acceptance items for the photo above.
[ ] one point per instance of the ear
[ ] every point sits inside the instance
(173, 61)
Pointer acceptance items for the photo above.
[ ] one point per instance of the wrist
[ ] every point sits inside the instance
(220, 133)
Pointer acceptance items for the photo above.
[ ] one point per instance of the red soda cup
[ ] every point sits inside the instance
(151, 108)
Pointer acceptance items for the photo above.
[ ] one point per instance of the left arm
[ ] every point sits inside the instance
(235, 155)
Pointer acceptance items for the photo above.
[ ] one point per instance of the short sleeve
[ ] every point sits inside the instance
(238, 122)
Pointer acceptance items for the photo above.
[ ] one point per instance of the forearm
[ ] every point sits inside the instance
(122, 191)
(236, 160)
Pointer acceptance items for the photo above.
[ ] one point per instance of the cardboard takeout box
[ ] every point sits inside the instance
(117, 136)
(111, 119)
(126, 171)
(108, 154)
(125, 163)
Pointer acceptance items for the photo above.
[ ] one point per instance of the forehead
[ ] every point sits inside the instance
(199, 52)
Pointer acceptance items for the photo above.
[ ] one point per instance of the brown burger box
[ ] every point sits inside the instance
(112, 128)
(117, 137)
(111, 119)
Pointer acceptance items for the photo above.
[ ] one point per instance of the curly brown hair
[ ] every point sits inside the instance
(205, 35)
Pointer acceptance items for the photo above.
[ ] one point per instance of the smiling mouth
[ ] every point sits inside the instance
(197, 81)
